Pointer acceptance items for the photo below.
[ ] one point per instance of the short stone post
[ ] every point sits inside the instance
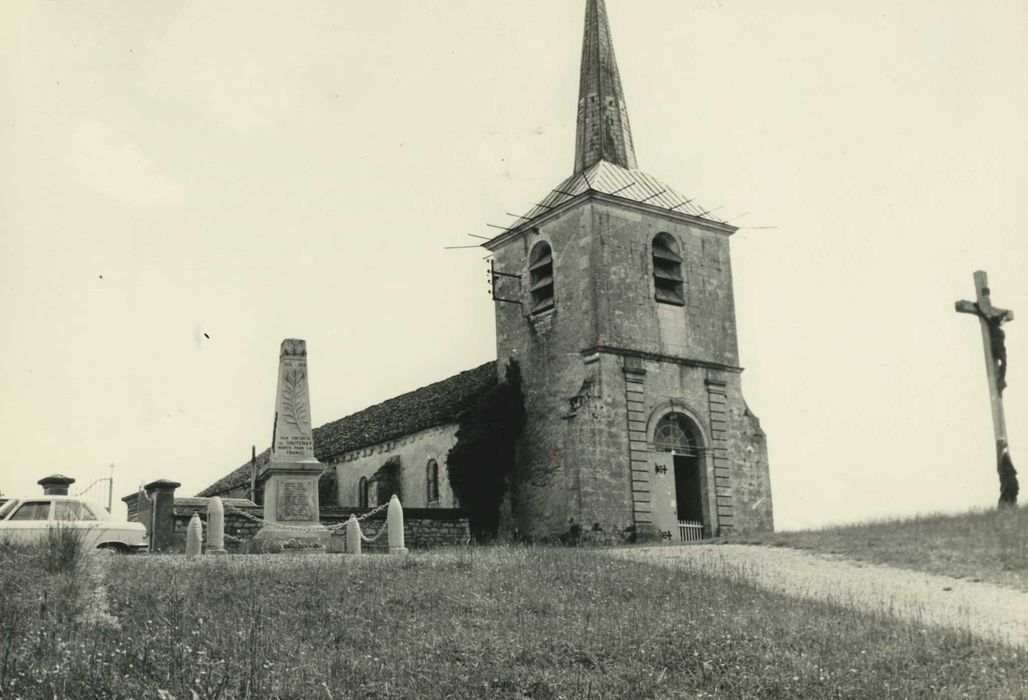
(215, 526)
(394, 521)
(194, 536)
(353, 535)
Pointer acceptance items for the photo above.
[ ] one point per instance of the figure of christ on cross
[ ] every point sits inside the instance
(991, 320)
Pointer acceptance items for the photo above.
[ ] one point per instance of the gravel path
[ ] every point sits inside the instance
(987, 610)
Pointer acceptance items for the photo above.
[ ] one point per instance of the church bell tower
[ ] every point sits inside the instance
(624, 327)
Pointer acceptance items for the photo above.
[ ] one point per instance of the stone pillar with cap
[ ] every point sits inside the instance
(161, 497)
(290, 477)
(56, 484)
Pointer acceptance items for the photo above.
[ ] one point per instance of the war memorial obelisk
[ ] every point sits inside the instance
(290, 478)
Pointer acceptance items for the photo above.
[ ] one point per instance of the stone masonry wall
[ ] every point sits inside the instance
(702, 330)
(547, 496)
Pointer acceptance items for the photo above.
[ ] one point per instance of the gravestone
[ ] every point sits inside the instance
(290, 477)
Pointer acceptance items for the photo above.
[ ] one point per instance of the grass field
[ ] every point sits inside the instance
(475, 623)
(987, 546)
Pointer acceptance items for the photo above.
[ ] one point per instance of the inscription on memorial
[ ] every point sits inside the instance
(296, 500)
(294, 445)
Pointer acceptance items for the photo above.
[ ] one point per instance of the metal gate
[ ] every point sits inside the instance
(690, 530)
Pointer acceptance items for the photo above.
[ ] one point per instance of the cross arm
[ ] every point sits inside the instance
(969, 307)
(966, 307)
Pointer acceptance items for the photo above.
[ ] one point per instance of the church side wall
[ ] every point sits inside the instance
(626, 481)
(746, 451)
(679, 358)
(627, 314)
(414, 451)
(667, 388)
(548, 494)
(598, 434)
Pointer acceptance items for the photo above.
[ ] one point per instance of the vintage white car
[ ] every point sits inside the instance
(24, 520)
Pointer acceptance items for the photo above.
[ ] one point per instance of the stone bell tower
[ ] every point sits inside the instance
(623, 322)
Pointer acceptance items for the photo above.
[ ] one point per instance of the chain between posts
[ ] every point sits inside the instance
(339, 526)
(385, 526)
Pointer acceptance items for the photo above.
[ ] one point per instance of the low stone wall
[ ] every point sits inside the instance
(423, 528)
(237, 526)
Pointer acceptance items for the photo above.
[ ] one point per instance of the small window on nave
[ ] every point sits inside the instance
(362, 492)
(432, 481)
(540, 276)
(668, 283)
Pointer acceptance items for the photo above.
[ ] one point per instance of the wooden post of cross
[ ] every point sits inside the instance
(991, 320)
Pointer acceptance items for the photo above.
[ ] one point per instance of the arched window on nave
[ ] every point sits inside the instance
(432, 481)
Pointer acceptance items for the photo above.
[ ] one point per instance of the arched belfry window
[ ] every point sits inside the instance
(540, 277)
(362, 492)
(676, 433)
(667, 270)
(432, 481)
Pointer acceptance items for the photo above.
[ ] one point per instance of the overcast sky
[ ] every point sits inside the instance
(254, 171)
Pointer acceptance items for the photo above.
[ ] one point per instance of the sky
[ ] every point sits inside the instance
(185, 184)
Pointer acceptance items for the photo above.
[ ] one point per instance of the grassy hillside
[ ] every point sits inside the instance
(486, 623)
(987, 546)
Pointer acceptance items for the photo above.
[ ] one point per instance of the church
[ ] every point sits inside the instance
(614, 297)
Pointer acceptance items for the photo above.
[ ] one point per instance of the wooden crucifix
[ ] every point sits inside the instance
(991, 320)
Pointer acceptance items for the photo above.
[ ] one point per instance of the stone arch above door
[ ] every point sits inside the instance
(670, 407)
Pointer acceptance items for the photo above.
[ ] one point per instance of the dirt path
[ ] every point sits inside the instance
(987, 610)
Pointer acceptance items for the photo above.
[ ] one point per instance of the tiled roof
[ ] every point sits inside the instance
(607, 178)
(427, 407)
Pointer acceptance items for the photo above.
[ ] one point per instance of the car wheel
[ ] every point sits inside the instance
(113, 548)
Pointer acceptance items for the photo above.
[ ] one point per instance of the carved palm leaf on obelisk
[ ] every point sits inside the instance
(294, 398)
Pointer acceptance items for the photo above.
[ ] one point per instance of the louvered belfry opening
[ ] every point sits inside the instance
(668, 283)
(540, 273)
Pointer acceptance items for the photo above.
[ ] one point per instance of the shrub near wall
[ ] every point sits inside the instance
(482, 462)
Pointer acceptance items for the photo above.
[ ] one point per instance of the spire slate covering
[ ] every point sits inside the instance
(603, 129)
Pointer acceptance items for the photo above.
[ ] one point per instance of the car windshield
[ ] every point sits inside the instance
(6, 507)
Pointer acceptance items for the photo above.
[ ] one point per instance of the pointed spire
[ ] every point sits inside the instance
(603, 129)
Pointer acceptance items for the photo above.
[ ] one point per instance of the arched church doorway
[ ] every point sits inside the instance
(676, 433)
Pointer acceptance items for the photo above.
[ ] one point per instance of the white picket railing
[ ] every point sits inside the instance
(690, 530)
